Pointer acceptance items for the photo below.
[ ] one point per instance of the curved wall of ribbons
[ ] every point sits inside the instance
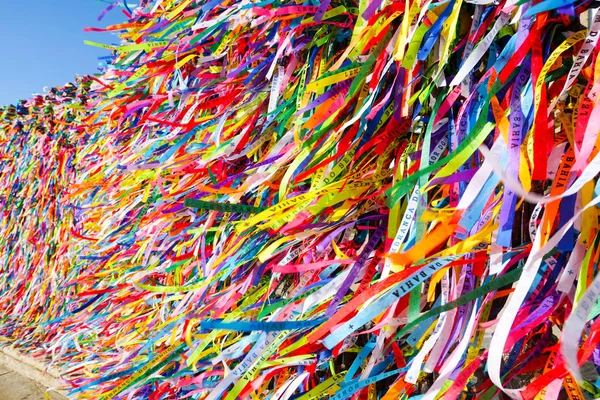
(305, 200)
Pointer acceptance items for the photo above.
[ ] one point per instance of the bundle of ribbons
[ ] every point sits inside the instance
(344, 199)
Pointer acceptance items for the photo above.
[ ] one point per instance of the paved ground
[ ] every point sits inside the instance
(17, 387)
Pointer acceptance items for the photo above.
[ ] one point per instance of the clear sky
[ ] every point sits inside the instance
(41, 43)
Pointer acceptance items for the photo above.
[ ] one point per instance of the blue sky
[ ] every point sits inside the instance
(41, 43)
